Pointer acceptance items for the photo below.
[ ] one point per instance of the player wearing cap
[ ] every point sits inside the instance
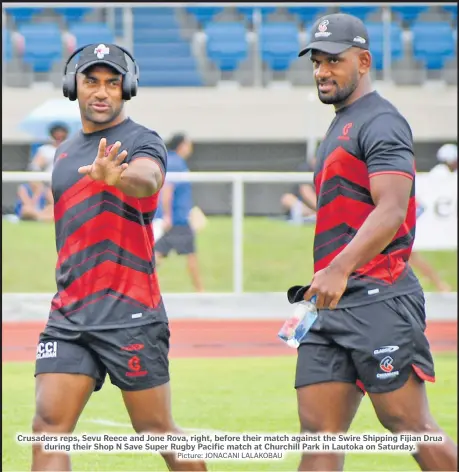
(107, 315)
(369, 335)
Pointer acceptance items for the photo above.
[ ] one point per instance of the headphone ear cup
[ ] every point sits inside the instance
(69, 87)
(127, 86)
(134, 86)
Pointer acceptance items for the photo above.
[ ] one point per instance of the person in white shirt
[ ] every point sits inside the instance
(447, 162)
(43, 161)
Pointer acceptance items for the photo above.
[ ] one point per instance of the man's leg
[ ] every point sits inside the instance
(392, 357)
(193, 269)
(328, 398)
(407, 410)
(137, 362)
(185, 245)
(66, 376)
(150, 411)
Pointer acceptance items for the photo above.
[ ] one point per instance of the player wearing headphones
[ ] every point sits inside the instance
(107, 316)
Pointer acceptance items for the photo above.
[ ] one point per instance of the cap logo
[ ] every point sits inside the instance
(101, 50)
(359, 39)
(323, 26)
(322, 29)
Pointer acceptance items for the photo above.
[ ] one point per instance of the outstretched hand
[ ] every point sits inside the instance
(106, 168)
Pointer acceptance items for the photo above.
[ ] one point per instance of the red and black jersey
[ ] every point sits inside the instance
(105, 270)
(366, 138)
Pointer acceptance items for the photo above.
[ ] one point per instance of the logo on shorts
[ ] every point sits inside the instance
(135, 368)
(46, 350)
(385, 349)
(386, 365)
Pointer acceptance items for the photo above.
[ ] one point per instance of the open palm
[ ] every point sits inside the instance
(106, 167)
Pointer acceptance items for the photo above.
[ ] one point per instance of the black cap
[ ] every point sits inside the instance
(95, 54)
(335, 33)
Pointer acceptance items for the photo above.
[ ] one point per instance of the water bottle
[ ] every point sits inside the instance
(295, 328)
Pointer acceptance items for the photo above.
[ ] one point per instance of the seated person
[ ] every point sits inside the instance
(300, 203)
(44, 157)
(35, 202)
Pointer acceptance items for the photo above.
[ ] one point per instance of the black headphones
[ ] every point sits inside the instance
(130, 81)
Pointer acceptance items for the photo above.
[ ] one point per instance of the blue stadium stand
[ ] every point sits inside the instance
(361, 12)
(164, 56)
(408, 14)
(22, 15)
(226, 45)
(43, 45)
(7, 45)
(73, 15)
(86, 33)
(279, 45)
(247, 12)
(307, 15)
(433, 43)
(204, 15)
(376, 34)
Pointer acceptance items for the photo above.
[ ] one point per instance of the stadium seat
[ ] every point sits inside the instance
(248, 11)
(157, 50)
(409, 13)
(307, 14)
(204, 15)
(43, 45)
(7, 45)
(171, 78)
(360, 12)
(73, 15)
(154, 20)
(279, 45)
(22, 15)
(149, 35)
(226, 44)
(86, 33)
(452, 10)
(376, 34)
(119, 24)
(433, 43)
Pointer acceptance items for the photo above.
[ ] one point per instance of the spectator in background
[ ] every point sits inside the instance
(447, 162)
(35, 202)
(175, 210)
(300, 203)
(43, 161)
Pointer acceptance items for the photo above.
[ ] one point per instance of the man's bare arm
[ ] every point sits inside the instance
(391, 194)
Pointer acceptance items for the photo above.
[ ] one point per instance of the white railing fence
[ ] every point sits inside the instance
(237, 179)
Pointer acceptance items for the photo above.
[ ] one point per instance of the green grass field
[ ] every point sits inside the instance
(276, 256)
(232, 395)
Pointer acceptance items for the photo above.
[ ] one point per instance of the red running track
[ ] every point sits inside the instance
(209, 338)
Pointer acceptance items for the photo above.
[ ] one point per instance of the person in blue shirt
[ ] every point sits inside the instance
(176, 202)
(34, 202)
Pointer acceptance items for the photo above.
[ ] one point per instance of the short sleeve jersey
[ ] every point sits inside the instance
(182, 200)
(105, 270)
(367, 138)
